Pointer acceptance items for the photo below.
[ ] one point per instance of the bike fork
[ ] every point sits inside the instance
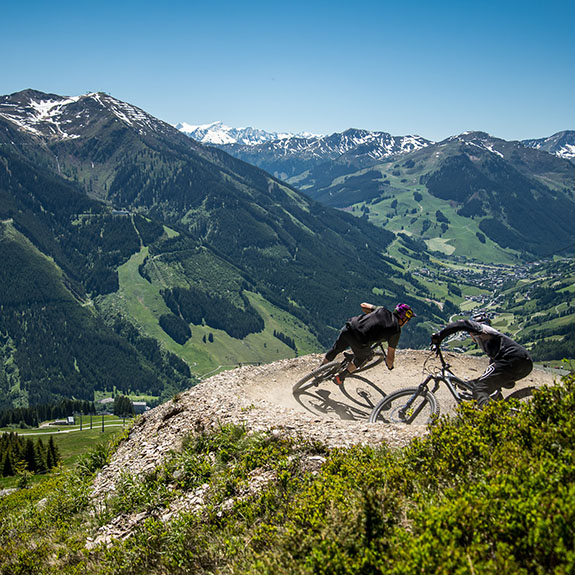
(421, 391)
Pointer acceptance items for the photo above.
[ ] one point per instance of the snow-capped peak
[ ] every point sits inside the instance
(60, 118)
(37, 115)
(219, 134)
(372, 144)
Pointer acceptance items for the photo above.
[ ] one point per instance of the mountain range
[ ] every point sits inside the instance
(288, 155)
(382, 144)
(136, 259)
(510, 195)
(155, 240)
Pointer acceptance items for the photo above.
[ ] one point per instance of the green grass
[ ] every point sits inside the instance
(408, 216)
(74, 444)
(142, 301)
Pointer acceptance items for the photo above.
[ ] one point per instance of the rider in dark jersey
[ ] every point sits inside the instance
(362, 331)
(508, 361)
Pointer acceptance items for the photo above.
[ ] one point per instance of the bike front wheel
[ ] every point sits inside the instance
(317, 376)
(393, 407)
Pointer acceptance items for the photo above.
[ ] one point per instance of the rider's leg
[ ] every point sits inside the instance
(341, 344)
(494, 378)
(500, 374)
(361, 354)
(482, 391)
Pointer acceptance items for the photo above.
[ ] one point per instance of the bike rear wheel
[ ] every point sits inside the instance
(317, 376)
(391, 409)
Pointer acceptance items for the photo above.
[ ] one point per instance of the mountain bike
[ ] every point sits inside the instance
(419, 405)
(354, 399)
(330, 370)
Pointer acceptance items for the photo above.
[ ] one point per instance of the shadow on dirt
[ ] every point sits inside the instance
(354, 400)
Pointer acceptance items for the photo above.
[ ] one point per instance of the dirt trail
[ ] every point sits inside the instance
(360, 393)
(261, 398)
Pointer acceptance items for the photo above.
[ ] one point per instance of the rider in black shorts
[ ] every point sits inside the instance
(362, 331)
(508, 361)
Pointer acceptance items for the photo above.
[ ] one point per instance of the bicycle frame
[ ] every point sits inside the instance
(453, 382)
(443, 374)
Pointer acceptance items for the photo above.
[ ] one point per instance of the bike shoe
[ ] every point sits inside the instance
(339, 379)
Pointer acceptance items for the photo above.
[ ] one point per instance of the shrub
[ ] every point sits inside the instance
(486, 491)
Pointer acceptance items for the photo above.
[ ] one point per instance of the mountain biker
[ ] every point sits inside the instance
(360, 332)
(508, 361)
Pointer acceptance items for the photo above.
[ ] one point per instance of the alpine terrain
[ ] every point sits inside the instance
(169, 250)
(517, 196)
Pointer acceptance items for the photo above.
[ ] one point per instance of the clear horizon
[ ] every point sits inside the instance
(428, 69)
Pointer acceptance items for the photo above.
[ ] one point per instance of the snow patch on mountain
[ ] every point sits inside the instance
(561, 144)
(39, 114)
(59, 118)
(127, 113)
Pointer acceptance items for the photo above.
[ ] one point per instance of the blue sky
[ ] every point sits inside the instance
(434, 69)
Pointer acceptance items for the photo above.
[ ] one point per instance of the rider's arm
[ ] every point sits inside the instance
(461, 325)
(390, 357)
(367, 307)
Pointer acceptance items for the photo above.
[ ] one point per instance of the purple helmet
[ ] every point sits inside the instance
(403, 311)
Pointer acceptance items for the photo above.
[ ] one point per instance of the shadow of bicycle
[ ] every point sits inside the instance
(354, 400)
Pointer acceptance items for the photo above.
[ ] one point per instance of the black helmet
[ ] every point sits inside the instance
(481, 317)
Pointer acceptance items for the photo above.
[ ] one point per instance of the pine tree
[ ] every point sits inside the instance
(53, 456)
(41, 457)
(7, 466)
(29, 455)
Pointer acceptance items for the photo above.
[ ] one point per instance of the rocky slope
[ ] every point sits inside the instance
(261, 398)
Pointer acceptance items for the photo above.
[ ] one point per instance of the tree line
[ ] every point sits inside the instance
(33, 416)
(289, 341)
(196, 306)
(18, 454)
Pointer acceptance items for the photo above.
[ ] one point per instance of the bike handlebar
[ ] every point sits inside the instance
(438, 352)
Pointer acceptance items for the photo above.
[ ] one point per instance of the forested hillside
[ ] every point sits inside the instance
(231, 257)
(52, 345)
(137, 259)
